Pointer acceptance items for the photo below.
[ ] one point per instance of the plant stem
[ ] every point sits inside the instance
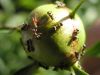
(79, 71)
(10, 28)
(62, 0)
(72, 14)
(76, 8)
(72, 71)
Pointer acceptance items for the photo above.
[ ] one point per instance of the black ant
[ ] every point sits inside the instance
(74, 36)
(50, 14)
(30, 45)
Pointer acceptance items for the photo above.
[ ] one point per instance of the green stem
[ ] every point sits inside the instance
(72, 71)
(79, 71)
(10, 28)
(76, 8)
(72, 14)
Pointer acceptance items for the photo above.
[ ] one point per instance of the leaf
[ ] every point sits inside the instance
(94, 51)
(30, 4)
(16, 20)
(8, 6)
(3, 68)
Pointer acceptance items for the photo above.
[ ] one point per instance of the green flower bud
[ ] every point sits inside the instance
(52, 37)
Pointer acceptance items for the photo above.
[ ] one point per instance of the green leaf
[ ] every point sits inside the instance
(3, 68)
(30, 4)
(94, 51)
(16, 20)
(8, 6)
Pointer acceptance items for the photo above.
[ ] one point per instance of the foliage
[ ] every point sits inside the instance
(94, 50)
(14, 12)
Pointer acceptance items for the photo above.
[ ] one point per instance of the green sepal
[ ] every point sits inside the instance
(79, 71)
(35, 69)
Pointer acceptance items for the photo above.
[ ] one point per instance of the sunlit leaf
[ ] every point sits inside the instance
(94, 51)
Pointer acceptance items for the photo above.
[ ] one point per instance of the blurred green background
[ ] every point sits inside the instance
(14, 12)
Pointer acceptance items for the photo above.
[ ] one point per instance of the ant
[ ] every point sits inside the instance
(50, 14)
(74, 36)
